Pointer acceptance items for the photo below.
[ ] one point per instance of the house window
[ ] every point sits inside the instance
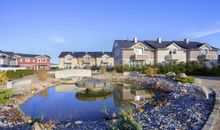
(170, 53)
(204, 51)
(27, 59)
(174, 51)
(39, 60)
(138, 51)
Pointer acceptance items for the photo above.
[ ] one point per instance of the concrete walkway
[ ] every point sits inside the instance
(212, 83)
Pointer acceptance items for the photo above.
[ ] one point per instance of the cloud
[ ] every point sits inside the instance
(205, 33)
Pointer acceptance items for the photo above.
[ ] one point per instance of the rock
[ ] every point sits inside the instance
(181, 75)
(38, 126)
(78, 122)
(114, 116)
(171, 74)
(184, 90)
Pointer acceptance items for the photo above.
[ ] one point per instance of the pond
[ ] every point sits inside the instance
(67, 103)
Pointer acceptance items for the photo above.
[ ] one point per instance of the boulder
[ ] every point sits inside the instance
(181, 75)
(38, 126)
(171, 74)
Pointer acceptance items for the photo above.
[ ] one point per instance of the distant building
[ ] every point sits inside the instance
(150, 52)
(70, 60)
(7, 59)
(32, 61)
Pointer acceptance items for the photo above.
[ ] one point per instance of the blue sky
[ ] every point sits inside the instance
(52, 26)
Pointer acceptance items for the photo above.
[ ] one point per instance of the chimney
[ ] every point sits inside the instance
(159, 40)
(135, 40)
(186, 40)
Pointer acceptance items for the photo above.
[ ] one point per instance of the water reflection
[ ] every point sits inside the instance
(125, 94)
(70, 103)
(93, 95)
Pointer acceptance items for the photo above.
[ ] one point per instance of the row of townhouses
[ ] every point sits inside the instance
(158, 51)
(70, 60)
(141, 52)
(29, 61)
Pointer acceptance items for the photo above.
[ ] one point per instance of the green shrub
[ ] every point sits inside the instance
(5, 95)
(126, 121)
(189, 68)
(186, 80)
(18, 74)
(3, 78)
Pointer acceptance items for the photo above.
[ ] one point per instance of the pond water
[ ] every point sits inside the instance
(66, 103)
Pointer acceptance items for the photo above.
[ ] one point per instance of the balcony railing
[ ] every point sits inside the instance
(139, 57)
(13, 63)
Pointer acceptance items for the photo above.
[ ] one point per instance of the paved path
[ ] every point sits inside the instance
(213, 83)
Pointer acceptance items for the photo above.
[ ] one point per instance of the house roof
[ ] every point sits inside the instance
(30, 55)
(7, 53)
(81, 54)
(156, 45)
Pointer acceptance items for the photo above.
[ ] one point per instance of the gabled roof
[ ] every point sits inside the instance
(30, 55)
(156, 45)
(81, 54)
(7, 53)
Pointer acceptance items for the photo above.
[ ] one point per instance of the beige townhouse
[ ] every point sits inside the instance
(70, 60)
(158, 51)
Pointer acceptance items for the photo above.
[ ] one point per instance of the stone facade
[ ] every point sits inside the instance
(151, 52)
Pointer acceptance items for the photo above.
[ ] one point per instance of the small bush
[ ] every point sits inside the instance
(42, 75)
(102, 70)
(186, 80)
(126, 121)
(5, 95)
(150, 72)
(3, 78)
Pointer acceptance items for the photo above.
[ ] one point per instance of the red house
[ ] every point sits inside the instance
(35, 62)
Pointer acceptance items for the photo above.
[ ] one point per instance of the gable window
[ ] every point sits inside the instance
(138, 51)
(174, 51)
(204, 51)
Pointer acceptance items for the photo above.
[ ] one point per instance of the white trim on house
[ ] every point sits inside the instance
(210, 48)
(139, 43)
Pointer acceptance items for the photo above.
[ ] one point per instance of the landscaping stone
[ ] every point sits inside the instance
(38, 126)
(181, 75)
(171, 74)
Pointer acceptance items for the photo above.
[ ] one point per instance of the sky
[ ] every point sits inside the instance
(51, 26)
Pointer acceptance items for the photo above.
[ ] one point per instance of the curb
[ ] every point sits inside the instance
(214, 117)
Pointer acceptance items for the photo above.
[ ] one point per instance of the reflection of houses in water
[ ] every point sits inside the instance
(137, 97)
(68, 88)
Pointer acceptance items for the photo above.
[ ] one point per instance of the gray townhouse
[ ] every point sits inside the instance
(159, 51)
(7, 59)
(70, 60)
